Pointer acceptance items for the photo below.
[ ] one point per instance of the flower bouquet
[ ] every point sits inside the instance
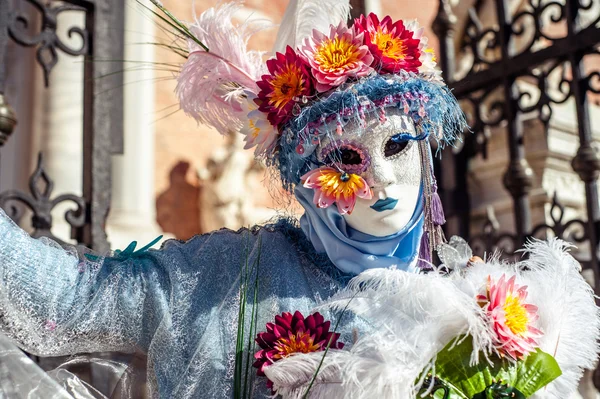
(484, 330)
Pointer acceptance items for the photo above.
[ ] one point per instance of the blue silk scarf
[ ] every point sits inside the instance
(352, 251)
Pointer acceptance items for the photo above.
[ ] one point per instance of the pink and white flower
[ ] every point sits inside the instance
(257, 129)
(510, 317)
(336, 57)
(332, 185)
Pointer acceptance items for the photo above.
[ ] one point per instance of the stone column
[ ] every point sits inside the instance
(133, 215)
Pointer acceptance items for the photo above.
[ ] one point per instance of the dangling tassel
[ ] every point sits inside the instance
(424, 262)
(437, 211)
(433, 235)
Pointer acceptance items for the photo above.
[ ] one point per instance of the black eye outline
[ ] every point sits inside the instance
(396, 144)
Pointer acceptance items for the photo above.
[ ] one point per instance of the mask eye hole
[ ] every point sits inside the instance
(349, 157)
(344, 156)
(394, 146)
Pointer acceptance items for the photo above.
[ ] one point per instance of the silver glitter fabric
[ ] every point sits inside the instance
(179, 305)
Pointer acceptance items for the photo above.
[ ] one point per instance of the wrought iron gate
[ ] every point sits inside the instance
(519, 48)
(498, 63)
(102, 39)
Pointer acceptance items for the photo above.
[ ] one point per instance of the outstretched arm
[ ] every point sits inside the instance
(56, 302)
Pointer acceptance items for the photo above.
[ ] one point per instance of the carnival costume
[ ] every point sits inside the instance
(339, 306)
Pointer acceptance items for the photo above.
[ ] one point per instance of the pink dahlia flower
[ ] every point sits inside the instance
(332, 185)
(293, 334)
(394, 47)
(336, 57)
(288, 81)
(511, 318)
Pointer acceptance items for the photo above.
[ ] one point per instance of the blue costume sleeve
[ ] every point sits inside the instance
(56, 302)
(178, 305)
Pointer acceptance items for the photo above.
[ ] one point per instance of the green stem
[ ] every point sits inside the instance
(180, 24)
(326, 349)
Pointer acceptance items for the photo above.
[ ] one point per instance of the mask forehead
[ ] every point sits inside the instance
(402, 168)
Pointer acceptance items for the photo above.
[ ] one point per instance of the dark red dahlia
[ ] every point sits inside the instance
(394, 47)
(293, 334)
(288, 81)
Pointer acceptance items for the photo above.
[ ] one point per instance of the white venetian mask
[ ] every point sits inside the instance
(389, 164)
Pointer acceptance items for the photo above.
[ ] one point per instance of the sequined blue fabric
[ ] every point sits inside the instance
(179, 305)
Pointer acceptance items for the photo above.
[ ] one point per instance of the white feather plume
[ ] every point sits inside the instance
(211, 84)
(302, 16)
(415, 316)
(569, 316)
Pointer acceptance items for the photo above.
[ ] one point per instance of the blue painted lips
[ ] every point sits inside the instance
(384, 204)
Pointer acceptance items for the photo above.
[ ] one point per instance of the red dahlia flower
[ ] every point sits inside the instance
(279, 91)
(394, 47)
(293, 334)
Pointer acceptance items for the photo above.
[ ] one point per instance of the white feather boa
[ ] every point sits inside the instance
(418, 315)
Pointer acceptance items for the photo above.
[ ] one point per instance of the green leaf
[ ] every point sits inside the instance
(453, 367)
(535, 372)
(527, 376)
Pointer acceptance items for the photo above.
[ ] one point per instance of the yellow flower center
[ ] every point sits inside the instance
(332, 183)
(336, 54)
(516, 315)
(299, 343)
(254, 129)
(390, 46)
(286, 85)
(430, 50)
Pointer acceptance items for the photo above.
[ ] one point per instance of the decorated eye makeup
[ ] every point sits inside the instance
(347, 156)
(393, 147)
(397, 144)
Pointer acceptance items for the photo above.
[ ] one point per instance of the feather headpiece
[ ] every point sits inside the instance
(214, 83)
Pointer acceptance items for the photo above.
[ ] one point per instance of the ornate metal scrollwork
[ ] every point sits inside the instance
(506, 245)
(592, 80)
(491, 241)
(41, 204)
(588, 5)
(481, 43)
(47, 41)
(484, 109)
(573, 230)
(543, 86)
(531, 21)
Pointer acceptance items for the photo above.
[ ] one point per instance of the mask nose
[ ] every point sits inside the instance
(380, 175)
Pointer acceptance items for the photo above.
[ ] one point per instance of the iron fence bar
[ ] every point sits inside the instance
(452, 184)
(103, 116)
(358, 8)
(521, 63)
(518, 178)
(8, 119)
(586, 162)
(3, 42)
